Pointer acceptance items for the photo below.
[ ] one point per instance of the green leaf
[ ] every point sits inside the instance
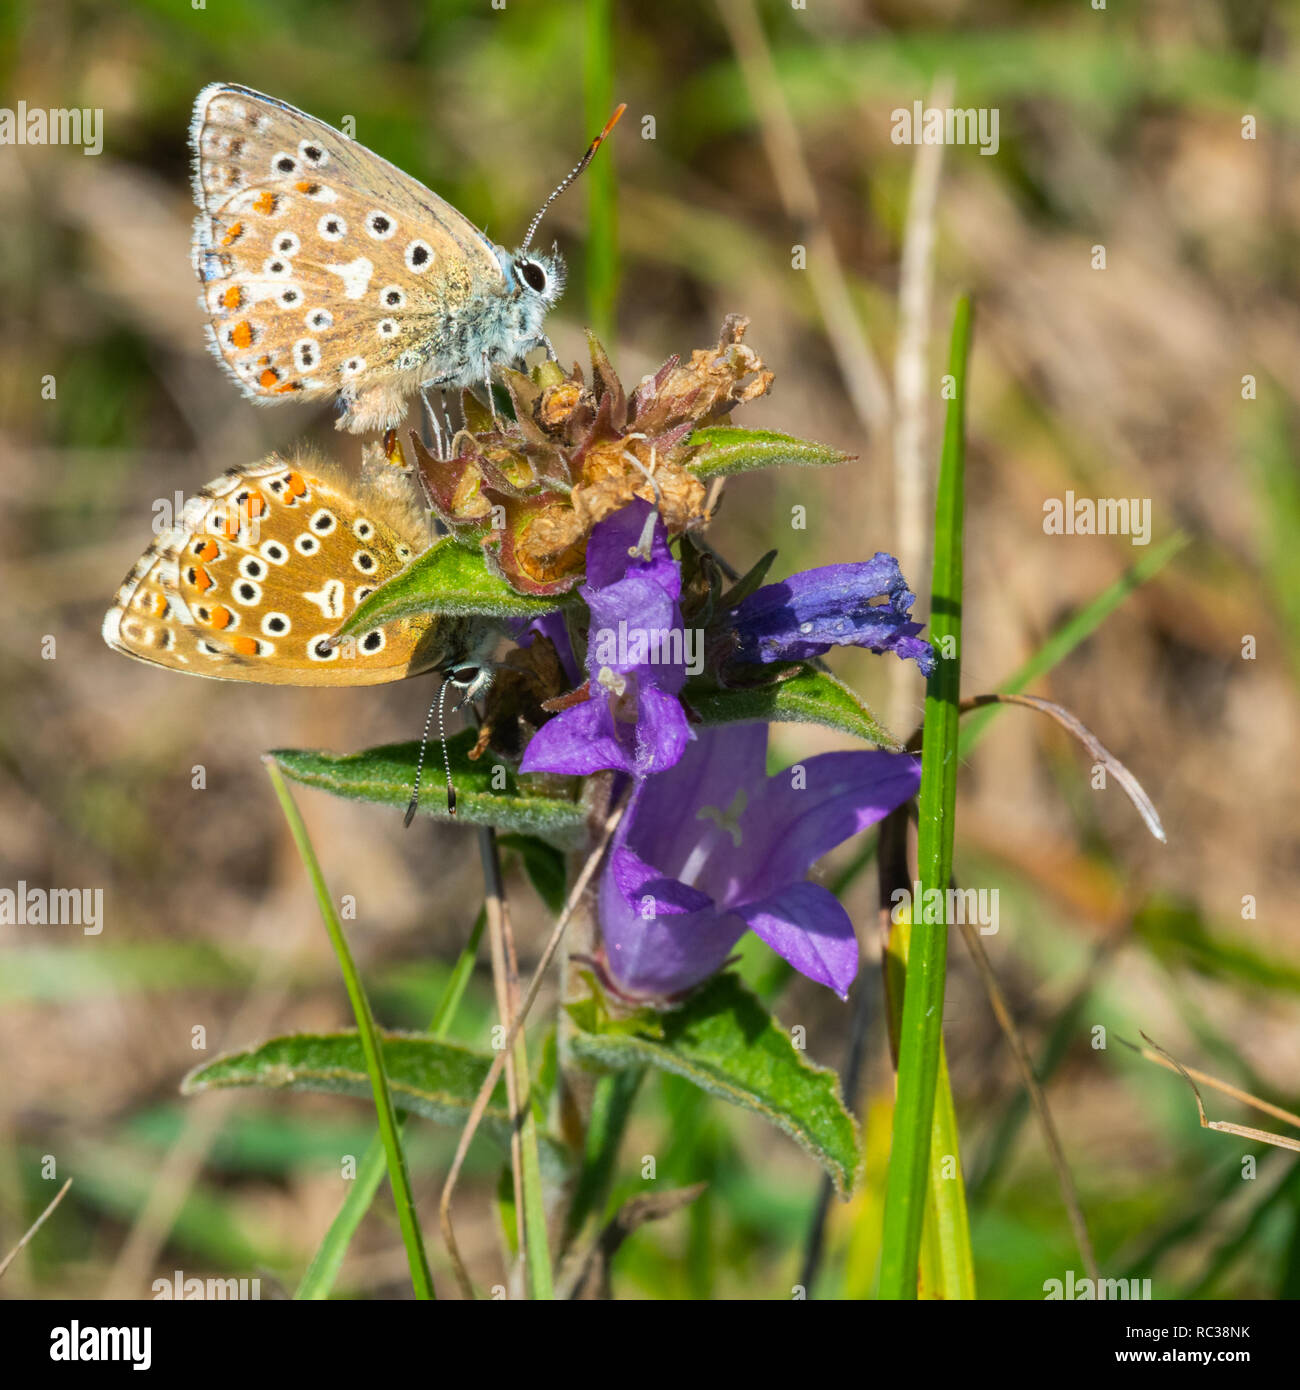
(920, 1044)
(448, 578)
(723, 1041)
(535, 805)
(723, 449)
(810, 697)
(426, 1076)
(543, 864)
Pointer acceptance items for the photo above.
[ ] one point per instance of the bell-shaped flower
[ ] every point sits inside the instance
(715, 847)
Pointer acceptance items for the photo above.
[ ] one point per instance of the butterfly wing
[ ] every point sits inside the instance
(265, 565)
(325, 268)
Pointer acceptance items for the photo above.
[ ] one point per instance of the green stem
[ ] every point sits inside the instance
(611, 1105)
(323, 1271)
(921, 1034)
(399, 1179)
(538, 1252)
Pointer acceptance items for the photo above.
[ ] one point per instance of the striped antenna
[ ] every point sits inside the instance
(573, 174)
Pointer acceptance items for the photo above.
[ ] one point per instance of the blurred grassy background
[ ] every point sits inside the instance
(1119, 127)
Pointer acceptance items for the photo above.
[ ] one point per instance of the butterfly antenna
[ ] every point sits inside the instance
(573, 173)
(446, 758)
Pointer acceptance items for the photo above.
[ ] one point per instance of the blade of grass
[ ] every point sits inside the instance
(921, 1033)
(947, 1263)
(328, 1260)
(34, 1227)
(602, 210)
(399, 1179)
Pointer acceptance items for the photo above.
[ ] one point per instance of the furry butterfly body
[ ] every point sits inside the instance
(326, 270)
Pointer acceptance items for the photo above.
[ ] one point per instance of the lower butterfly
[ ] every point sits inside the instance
(268, 561)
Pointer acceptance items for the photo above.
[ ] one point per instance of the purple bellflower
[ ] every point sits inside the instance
(860, 605)
(632, 721)
(714, 847)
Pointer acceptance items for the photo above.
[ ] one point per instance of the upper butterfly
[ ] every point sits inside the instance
(326, 269)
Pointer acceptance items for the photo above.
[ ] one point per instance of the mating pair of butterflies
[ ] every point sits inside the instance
(325, 271)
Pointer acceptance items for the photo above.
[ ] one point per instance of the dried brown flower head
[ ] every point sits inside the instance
(530, 490)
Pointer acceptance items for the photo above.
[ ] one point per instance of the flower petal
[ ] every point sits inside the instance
(636, 616)
(576, 741)
(664, 823)
(800, 814)
(672, 948)
(662, 732)
(608, 550)
(808, 925)
(836, 605)
(644, 887)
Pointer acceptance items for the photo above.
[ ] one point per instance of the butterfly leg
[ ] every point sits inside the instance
(434, 427)
(551, 354)
(492, 395)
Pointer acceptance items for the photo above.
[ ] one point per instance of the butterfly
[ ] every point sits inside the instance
(266, 563)
(326, 270)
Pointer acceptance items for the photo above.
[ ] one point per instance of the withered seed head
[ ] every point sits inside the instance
(575, 453)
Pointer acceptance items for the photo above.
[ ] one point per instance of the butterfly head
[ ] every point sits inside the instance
(471, 678)
(537, 276)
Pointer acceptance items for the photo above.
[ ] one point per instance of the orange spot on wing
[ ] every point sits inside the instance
(230, 526)
(268, 378)
(310, 189)
(232, 298)
(221, 616)
(241, 335)
(256, 505)
(264, 203)
(202, 579)
(245, 646)
(288, 386)
(234, 232)
(296, 485)
(210, 550)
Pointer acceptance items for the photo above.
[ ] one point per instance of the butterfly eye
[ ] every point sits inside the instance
(532, 275)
